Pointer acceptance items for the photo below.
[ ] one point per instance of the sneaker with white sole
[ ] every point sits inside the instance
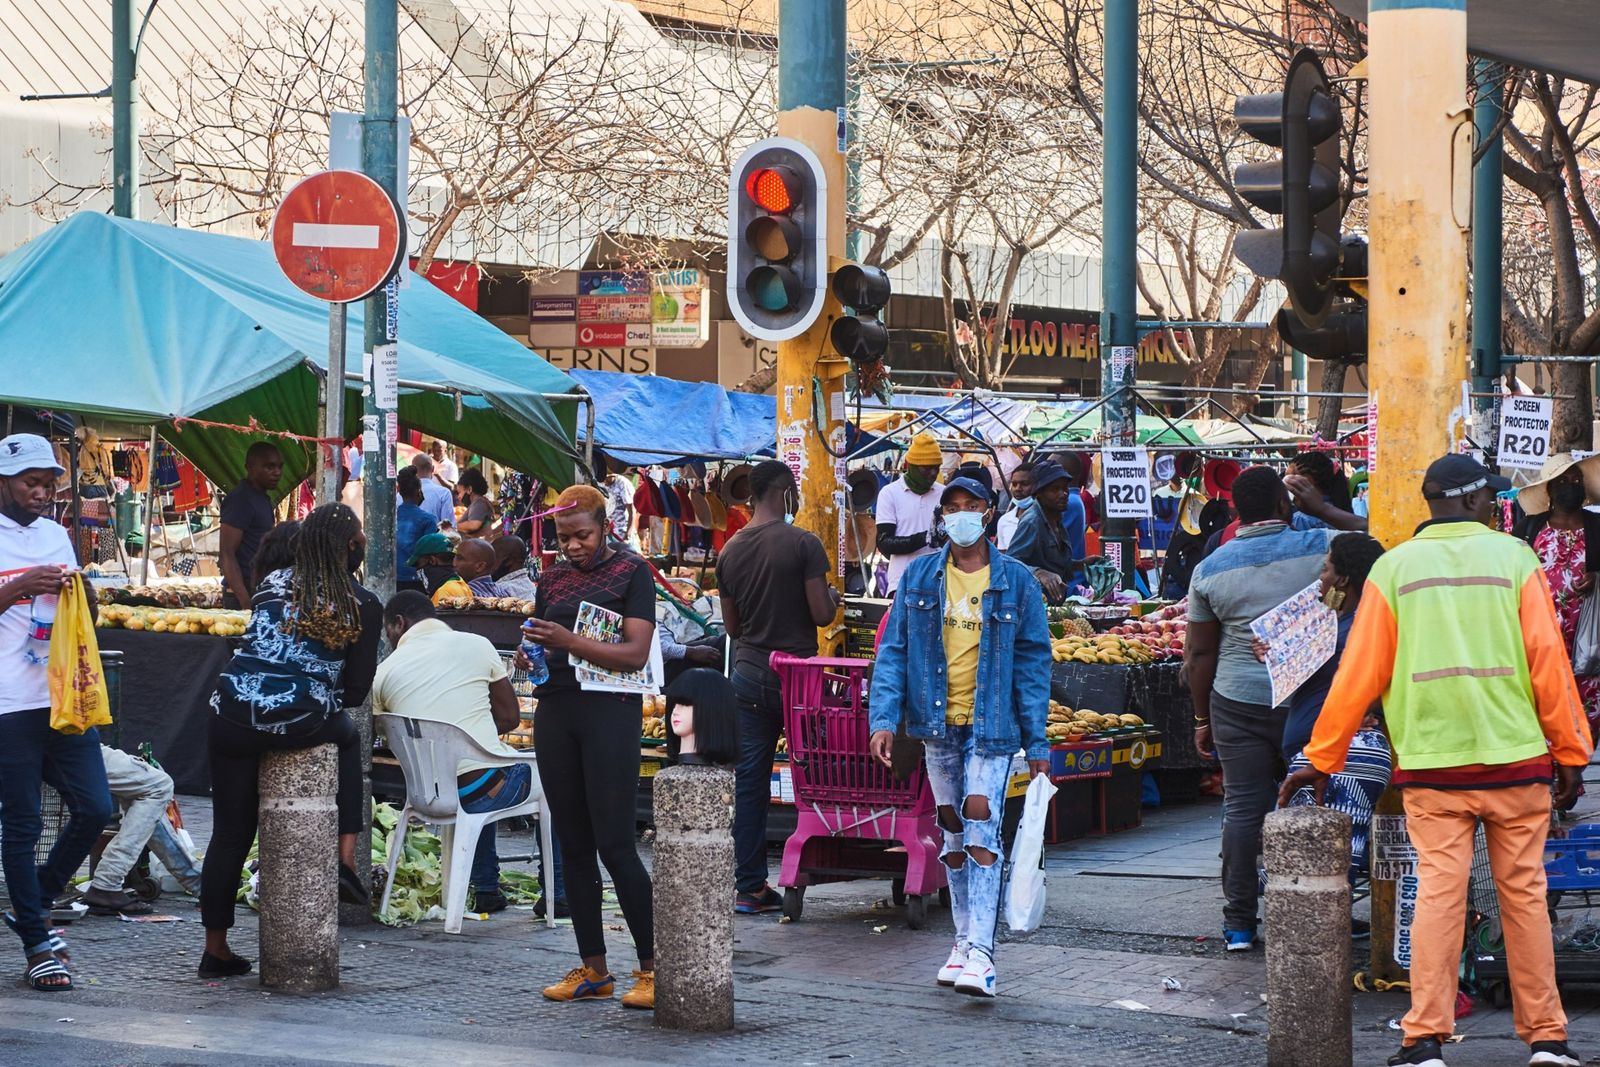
(954, 965)
(977, 977)
(1553, 1054)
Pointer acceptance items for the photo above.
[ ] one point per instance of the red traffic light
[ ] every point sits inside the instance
(772, 189)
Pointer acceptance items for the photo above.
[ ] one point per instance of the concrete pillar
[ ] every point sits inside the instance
(299, 930)
(1308, 938)
(694, 898)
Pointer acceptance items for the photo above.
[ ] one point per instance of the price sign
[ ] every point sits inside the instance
(1127, 482)
(1525, 431)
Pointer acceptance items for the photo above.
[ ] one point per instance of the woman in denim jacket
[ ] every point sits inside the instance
(965, 665)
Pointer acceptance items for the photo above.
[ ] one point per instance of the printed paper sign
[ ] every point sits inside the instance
(1127, 482)
(1300, 634)
(1525, 431)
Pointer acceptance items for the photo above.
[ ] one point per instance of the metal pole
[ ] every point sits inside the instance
(124, 112)
(328, 458)
(1487, 182)
(1119, 323)
(811, 92)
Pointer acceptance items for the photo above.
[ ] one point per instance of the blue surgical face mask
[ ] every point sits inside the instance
(964, 527)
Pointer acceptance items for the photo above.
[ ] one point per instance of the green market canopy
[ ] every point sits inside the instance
(134, 322)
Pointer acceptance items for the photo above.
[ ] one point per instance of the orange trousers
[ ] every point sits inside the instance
(1516, 822)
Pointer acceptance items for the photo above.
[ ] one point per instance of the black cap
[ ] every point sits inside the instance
(968, 485)
(1457, 475)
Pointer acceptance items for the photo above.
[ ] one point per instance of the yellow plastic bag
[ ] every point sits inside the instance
(77, 682)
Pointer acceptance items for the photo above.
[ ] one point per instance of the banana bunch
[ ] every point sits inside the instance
(1105, 648)
(654, 728)
(218, 623)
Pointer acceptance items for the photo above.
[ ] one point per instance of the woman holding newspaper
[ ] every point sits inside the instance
(595, 618)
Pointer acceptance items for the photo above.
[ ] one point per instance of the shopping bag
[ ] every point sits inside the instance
(1025, 891)
(1586, 641)
(77, 681)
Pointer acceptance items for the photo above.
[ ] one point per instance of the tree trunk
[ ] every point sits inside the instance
(1330, 406)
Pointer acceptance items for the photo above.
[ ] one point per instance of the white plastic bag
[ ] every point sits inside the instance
(1025, 892)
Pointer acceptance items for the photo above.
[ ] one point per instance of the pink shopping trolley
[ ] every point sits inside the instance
(855, 819)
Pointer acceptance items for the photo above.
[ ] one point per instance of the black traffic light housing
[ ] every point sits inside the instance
(777, 239)
(1302, 185)
(862, 338)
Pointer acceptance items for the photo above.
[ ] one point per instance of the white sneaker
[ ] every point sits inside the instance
(977, 977)
(954, 965)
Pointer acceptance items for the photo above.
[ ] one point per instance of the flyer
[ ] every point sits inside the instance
(601, 624)
(1301, 634)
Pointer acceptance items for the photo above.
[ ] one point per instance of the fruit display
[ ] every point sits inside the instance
(1104, 648)
(1163, 637)
(509, 605)
(1065, 724)
(184, 593)
(217, 623)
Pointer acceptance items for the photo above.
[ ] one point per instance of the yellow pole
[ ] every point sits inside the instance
(1420, 172)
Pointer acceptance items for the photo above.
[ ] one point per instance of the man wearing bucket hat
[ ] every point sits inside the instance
(907, 508)
(1457, 635)
(36, 560)
(1566, 538)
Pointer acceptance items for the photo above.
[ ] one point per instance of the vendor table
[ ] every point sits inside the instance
(167, 682)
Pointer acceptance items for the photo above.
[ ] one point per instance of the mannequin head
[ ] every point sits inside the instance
(702, 718)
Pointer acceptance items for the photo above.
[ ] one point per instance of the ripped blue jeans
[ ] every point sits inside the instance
(956, 772)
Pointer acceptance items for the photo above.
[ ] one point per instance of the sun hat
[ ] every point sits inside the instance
(1535, 497)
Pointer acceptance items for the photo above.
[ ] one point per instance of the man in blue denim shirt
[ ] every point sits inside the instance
(965, 665)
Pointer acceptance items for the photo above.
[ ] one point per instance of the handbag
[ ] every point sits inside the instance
(1586, 640)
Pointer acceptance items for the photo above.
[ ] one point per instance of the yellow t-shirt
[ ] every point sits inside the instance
(963, 629)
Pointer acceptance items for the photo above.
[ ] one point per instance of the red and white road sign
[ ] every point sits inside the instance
(337, 236)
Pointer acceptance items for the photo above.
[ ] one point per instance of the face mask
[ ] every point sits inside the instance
(964, 527)
(918, 481)
(1567, 496)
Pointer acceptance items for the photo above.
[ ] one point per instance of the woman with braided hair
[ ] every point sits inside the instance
(309, 652)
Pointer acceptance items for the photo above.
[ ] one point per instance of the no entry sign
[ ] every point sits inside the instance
(337, 236)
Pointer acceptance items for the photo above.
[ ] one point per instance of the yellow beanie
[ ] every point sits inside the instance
(924, 451)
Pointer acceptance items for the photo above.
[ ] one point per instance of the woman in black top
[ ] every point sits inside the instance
(588, 742)
(310, 651)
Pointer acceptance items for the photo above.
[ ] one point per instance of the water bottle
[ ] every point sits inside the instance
(538, 669)
(41, 620)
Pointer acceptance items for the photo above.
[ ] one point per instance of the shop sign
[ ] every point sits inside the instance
(679, 313)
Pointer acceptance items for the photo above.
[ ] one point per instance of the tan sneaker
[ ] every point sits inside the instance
(582, 984)
(643, 993)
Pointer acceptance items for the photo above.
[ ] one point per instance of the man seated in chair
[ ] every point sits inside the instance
(441, 675)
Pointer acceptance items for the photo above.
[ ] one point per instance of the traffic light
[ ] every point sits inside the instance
(1302, 186)
(862, 338)
(777, 239)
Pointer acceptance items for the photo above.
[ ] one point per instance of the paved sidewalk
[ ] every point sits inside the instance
(848, 983)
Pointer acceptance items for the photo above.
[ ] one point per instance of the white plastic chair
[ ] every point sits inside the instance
(429, 753)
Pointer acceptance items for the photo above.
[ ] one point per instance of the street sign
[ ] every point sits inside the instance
(337, 236)
(1525, 431)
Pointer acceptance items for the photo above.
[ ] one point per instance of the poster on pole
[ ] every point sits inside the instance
(1301, 634)
(1126, 472)
(1525, 431)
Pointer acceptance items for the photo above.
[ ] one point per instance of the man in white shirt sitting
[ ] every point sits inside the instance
(442, 675)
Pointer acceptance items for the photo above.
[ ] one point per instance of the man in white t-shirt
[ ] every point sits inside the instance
(907, 508)
(443, 675)
(36, 561)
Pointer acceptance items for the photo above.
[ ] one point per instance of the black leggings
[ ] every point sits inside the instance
(588, 750)
(235, 801)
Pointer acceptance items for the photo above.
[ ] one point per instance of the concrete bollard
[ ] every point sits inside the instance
(694, 898)
(1308, 937)
(298, 885)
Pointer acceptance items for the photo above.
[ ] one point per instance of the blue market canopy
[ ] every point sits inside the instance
(144, 323)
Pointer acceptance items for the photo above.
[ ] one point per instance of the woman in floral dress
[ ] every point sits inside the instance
(1566, 538)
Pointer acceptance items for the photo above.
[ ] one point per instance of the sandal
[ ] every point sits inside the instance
(57, 943)
(40, 976)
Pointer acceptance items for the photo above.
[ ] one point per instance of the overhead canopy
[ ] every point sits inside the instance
(641, 419)
(143, 323)
(1558, 36)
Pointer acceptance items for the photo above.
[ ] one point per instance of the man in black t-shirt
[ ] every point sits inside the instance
(773, 580)
(247, 515)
